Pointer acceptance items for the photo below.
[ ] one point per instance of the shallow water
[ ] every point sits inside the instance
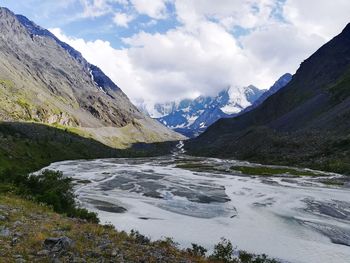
(296, 219)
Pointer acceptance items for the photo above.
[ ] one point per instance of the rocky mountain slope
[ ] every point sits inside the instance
(306, 123)
(45, 80)
(192, 117)
(279, 84)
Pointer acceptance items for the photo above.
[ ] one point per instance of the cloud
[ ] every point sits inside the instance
(155, 9)
(204, 61)
(95, 8)
(202, 54)
(122, 19)
(278, 49)
(323, 18)
(230, 13)
(115, 63)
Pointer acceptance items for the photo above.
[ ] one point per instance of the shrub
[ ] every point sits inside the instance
(139, 238)
(223, 251)
(51, 188)
(197, 250)
(48, 187)
(226, 253)
(83, 213)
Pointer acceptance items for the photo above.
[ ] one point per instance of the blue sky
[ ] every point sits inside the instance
(99, 24)
(162, 50)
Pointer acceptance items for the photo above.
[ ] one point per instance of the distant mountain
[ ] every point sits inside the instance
(279, 84)
(192, 117)
(44, 80)
(306, 123)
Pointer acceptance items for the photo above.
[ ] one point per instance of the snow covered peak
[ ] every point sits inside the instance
(237, 99)
(191, 117)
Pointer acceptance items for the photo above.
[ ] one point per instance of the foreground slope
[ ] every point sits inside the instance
(33, 233)
(45, 80)
(306, 123)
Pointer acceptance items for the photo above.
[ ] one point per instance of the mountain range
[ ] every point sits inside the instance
(191, 117)
(44, 80)
(306, 123)
(279, 84)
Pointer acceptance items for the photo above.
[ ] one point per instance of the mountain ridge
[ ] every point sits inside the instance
(43, 79)
(305, 123)
(192, 117)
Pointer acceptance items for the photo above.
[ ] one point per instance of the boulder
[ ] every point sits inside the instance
(58, 244)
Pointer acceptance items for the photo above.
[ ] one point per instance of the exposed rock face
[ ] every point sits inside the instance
(45, 80)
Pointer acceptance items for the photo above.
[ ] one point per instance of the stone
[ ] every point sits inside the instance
(44, 252)
(4, 232)
(17, 223)
(58, 244)
(78, 260)
(114, 253)
(14, 241)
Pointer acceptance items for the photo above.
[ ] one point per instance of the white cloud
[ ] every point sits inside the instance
(202, 56)
(323, 18)
(95, 8)
(122, 19)
(278, 49)
(115, 63)
(205, 61)
(244, 13)
(155, 8)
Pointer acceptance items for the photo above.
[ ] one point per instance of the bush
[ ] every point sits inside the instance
(197, 250)
(53, 189)
(83, 213)
(139, 238)
(48, 187)
(223, 251)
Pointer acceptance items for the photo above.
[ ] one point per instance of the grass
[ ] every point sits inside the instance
(268, 171)
(7, 83)
(255, 170)
(332, 182)
(39, 222)
(27, 147)
(33, 223)
(194, 166)
(23, 103)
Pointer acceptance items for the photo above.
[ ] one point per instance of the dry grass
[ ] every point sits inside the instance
(34, 223)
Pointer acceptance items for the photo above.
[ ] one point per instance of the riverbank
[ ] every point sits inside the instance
(292, 214)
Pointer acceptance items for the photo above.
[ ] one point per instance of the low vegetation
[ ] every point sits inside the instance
(49, 188)
(27, 231)
(28, 147)
(332, 182)
(265, 170)
(225, 252)
(197, 166)
(326, 152)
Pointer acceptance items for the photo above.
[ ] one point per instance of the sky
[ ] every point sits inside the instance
(165, 50)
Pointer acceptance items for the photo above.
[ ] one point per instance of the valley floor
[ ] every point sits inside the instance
(293, 214)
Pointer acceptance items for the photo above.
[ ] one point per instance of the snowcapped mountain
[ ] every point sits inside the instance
(234, 100)
(192, 117)
(279, 84)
